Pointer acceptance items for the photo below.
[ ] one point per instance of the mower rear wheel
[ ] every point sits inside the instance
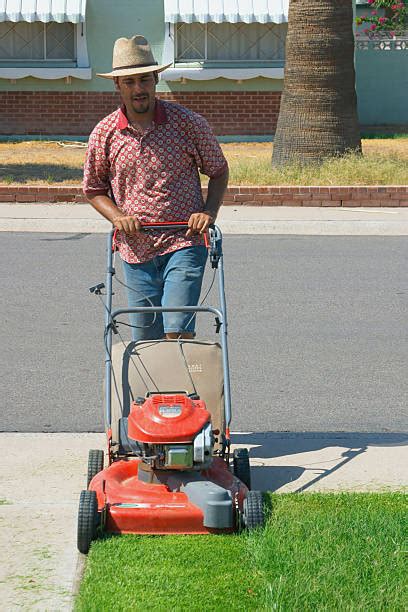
(87, 520)
(242, 469)
(253, 511)
(95, 464)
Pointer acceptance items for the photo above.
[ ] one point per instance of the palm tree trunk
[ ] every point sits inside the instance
(318, 113)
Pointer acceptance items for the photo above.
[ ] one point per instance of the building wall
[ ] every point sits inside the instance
(35, 106)
(104, 25)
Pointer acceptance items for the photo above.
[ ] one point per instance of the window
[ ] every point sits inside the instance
(22, 42)
(230, 42)
(232, 39)
(204, 51)
(45, 39)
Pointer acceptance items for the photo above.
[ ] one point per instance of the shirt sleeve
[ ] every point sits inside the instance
(96, 168)
(209, 156)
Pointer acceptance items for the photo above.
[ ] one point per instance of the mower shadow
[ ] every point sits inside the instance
(301, 473)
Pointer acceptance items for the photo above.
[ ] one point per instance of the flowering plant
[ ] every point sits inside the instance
(387, 18)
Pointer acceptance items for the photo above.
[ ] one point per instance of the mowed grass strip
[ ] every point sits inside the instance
(317, 552)
(384, 163)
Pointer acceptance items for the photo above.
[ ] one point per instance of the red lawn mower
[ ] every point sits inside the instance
(167, 413)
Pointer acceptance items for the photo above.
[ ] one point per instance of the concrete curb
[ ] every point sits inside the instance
(312, 221)
(78, 575)
(284, 220)
(295, 227)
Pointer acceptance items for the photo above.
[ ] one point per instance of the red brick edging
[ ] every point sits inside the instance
(370, 196)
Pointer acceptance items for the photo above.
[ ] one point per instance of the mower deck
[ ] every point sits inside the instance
(127, 504)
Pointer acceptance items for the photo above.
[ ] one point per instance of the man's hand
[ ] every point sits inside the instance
(199, 223)
(128, 224)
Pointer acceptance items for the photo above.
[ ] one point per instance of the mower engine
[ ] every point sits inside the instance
(173, 431)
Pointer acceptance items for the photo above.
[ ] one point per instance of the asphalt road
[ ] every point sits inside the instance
(318, 332)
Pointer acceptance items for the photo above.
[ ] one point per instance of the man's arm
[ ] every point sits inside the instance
(108, 209)
(199, 222)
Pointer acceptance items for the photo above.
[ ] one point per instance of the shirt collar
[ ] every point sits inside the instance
(159, 117)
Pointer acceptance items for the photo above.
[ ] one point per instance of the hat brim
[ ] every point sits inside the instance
(131, 71)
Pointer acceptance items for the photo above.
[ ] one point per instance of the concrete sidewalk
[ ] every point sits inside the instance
(82, 218)
(42, 476)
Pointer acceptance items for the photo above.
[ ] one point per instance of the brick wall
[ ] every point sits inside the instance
(76, 113)
(273, 195)
(233, 112)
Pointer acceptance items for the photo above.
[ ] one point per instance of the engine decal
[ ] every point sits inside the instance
(170, 411)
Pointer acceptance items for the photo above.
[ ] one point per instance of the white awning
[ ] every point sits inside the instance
(72, 11)
(231, 11)
(207, 74)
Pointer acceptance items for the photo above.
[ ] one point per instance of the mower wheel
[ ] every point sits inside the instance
(253, 512)
(242, 469)
(87, 520)
(95, 464)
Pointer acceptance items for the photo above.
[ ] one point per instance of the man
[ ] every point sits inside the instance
(142, 166)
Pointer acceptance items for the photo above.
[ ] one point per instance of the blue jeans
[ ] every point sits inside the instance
(173, 279)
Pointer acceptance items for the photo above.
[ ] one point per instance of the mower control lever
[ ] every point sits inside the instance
(217, 325)
(97, 289)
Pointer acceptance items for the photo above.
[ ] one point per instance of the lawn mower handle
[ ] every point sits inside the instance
(216, 259)
(166, 225)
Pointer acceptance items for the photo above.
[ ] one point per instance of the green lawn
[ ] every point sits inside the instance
(318, 552)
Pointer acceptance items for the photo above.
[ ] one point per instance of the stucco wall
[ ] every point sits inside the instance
(382, 87)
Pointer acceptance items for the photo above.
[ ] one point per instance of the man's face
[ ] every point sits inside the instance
(138, 92)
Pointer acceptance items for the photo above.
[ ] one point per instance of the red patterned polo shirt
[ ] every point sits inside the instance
(154, 174)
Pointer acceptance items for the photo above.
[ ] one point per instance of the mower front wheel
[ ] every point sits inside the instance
(95, 464)
(253, 514)
(87, 520)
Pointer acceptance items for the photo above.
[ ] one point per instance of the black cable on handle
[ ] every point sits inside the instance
(164, 226)
(168, 225)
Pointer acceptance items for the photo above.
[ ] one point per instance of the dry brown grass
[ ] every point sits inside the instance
(384, 162)
(40, 162)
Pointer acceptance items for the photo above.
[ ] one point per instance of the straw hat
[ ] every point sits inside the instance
(132, 56)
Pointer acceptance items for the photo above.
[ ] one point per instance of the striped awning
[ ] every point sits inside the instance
(221, 11)
(72, 11)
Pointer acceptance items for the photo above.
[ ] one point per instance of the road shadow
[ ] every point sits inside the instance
(52, 173)
(306, 470)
